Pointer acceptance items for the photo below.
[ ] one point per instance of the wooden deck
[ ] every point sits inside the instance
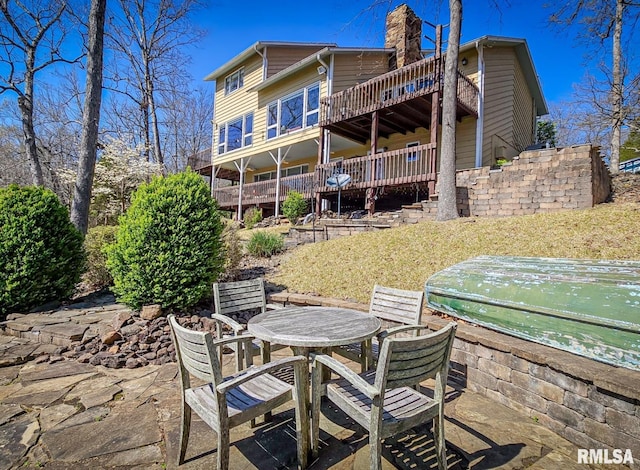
(393, 168)
(405, 94)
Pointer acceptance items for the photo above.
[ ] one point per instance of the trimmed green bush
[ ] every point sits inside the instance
(168, 249)
(265, 244)
(41, 254)
(97, 275)
(294, 206)
(252, 216)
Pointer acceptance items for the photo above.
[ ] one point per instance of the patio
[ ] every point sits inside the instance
(72, 415)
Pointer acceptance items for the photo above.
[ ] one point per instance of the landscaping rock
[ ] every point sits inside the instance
(151, 312)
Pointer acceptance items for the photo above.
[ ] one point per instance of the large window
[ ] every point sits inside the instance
(293, 112)
(234, 81)
(291, 171)
(235, 134)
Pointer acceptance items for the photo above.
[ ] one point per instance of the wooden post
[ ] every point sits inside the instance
(316, 175)
(370, 201)
(435, 112)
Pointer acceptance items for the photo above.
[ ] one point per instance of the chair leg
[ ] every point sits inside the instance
(315, 408)
(438, 438)
(265, 349)
(301, 397)
(375, 452)
(223, 449)
(185, 426)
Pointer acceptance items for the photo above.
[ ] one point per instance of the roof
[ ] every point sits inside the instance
(254, 49)
(313, 58)
(526, 62)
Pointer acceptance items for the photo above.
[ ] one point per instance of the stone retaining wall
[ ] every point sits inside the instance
(547, 180)
(591, 404)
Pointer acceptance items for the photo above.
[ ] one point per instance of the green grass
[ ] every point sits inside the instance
(405, 257)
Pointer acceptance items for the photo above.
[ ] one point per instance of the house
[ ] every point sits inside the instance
(291, 116)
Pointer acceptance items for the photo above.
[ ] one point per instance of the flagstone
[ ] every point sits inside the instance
(16, 437)
(100, 396)
(54, 415)
(35, 372)
(92, 415)
(133, 430)
(9, 411)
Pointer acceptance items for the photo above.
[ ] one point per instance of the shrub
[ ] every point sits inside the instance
(41, 254)
(294, 206)
(97, 274)
(168, 249)
(232, 248)
(265, 244)
(252, 216)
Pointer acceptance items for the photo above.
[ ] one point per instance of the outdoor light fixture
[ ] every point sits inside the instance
(322, 70)
(464, 61)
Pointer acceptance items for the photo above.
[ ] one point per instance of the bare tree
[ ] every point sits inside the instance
(90, 117)
(447, 207)
(31, 40)
(148, 35)
(603, 20)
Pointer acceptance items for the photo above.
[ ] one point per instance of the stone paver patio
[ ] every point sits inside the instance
(68, 415)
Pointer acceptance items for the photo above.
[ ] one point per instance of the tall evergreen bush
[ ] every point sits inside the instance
(168, 249)
(41, 254)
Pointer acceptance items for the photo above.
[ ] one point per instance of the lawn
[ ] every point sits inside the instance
(405, 257)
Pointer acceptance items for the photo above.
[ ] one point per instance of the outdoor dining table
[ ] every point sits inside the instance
(307, 329)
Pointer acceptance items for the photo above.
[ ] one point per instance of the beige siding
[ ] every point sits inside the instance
(239, 101)
(471, 69)
(279, 57)
(523, 112)
(466, 143)
(498, 139)
(351, 69)
(261, 100)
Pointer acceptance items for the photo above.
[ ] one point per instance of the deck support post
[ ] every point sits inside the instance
(241, 169)
(370, 201)
(278, 160)
(318, 183)
(435, 114)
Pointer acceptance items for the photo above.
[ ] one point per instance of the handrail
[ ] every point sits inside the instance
(411, 81)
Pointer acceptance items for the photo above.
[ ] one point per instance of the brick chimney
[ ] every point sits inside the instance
(404, 33)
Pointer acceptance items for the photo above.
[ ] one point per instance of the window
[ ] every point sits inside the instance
(234, 81)
(291, 171)
(235, 134)
(296, 111)
(412, 156)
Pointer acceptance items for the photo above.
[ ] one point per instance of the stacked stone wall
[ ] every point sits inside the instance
(547, 180)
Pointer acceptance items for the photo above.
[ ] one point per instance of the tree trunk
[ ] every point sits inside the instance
(90, 118)
(26, 111)
(617, 91)
(447, 207)
(157, 149)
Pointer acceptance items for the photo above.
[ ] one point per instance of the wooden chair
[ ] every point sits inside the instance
(383, 401)
(226, 402)
(231, 298)
(395, 306)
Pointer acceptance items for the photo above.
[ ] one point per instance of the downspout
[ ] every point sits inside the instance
(265, 63)
(327, 134)
(480, 121)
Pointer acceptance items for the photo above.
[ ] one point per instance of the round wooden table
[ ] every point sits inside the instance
(306, 328)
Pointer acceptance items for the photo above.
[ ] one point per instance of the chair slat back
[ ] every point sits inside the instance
(239, 296)
(407, 361)
(397, 305)
(195, 351)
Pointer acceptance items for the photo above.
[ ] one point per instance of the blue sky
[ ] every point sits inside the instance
(558, 59)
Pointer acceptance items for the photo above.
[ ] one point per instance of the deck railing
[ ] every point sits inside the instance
(406, 83)
(631, 166)
(396, 167)
(200, 160)
(265, 191)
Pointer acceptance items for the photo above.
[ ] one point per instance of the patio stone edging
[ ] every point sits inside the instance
(591, 404)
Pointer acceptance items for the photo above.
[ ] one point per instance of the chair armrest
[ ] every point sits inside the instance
(234, 325)
(399, 329)
(346, 373)
(255, 371)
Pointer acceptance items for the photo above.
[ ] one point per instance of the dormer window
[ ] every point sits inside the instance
(234, 81)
